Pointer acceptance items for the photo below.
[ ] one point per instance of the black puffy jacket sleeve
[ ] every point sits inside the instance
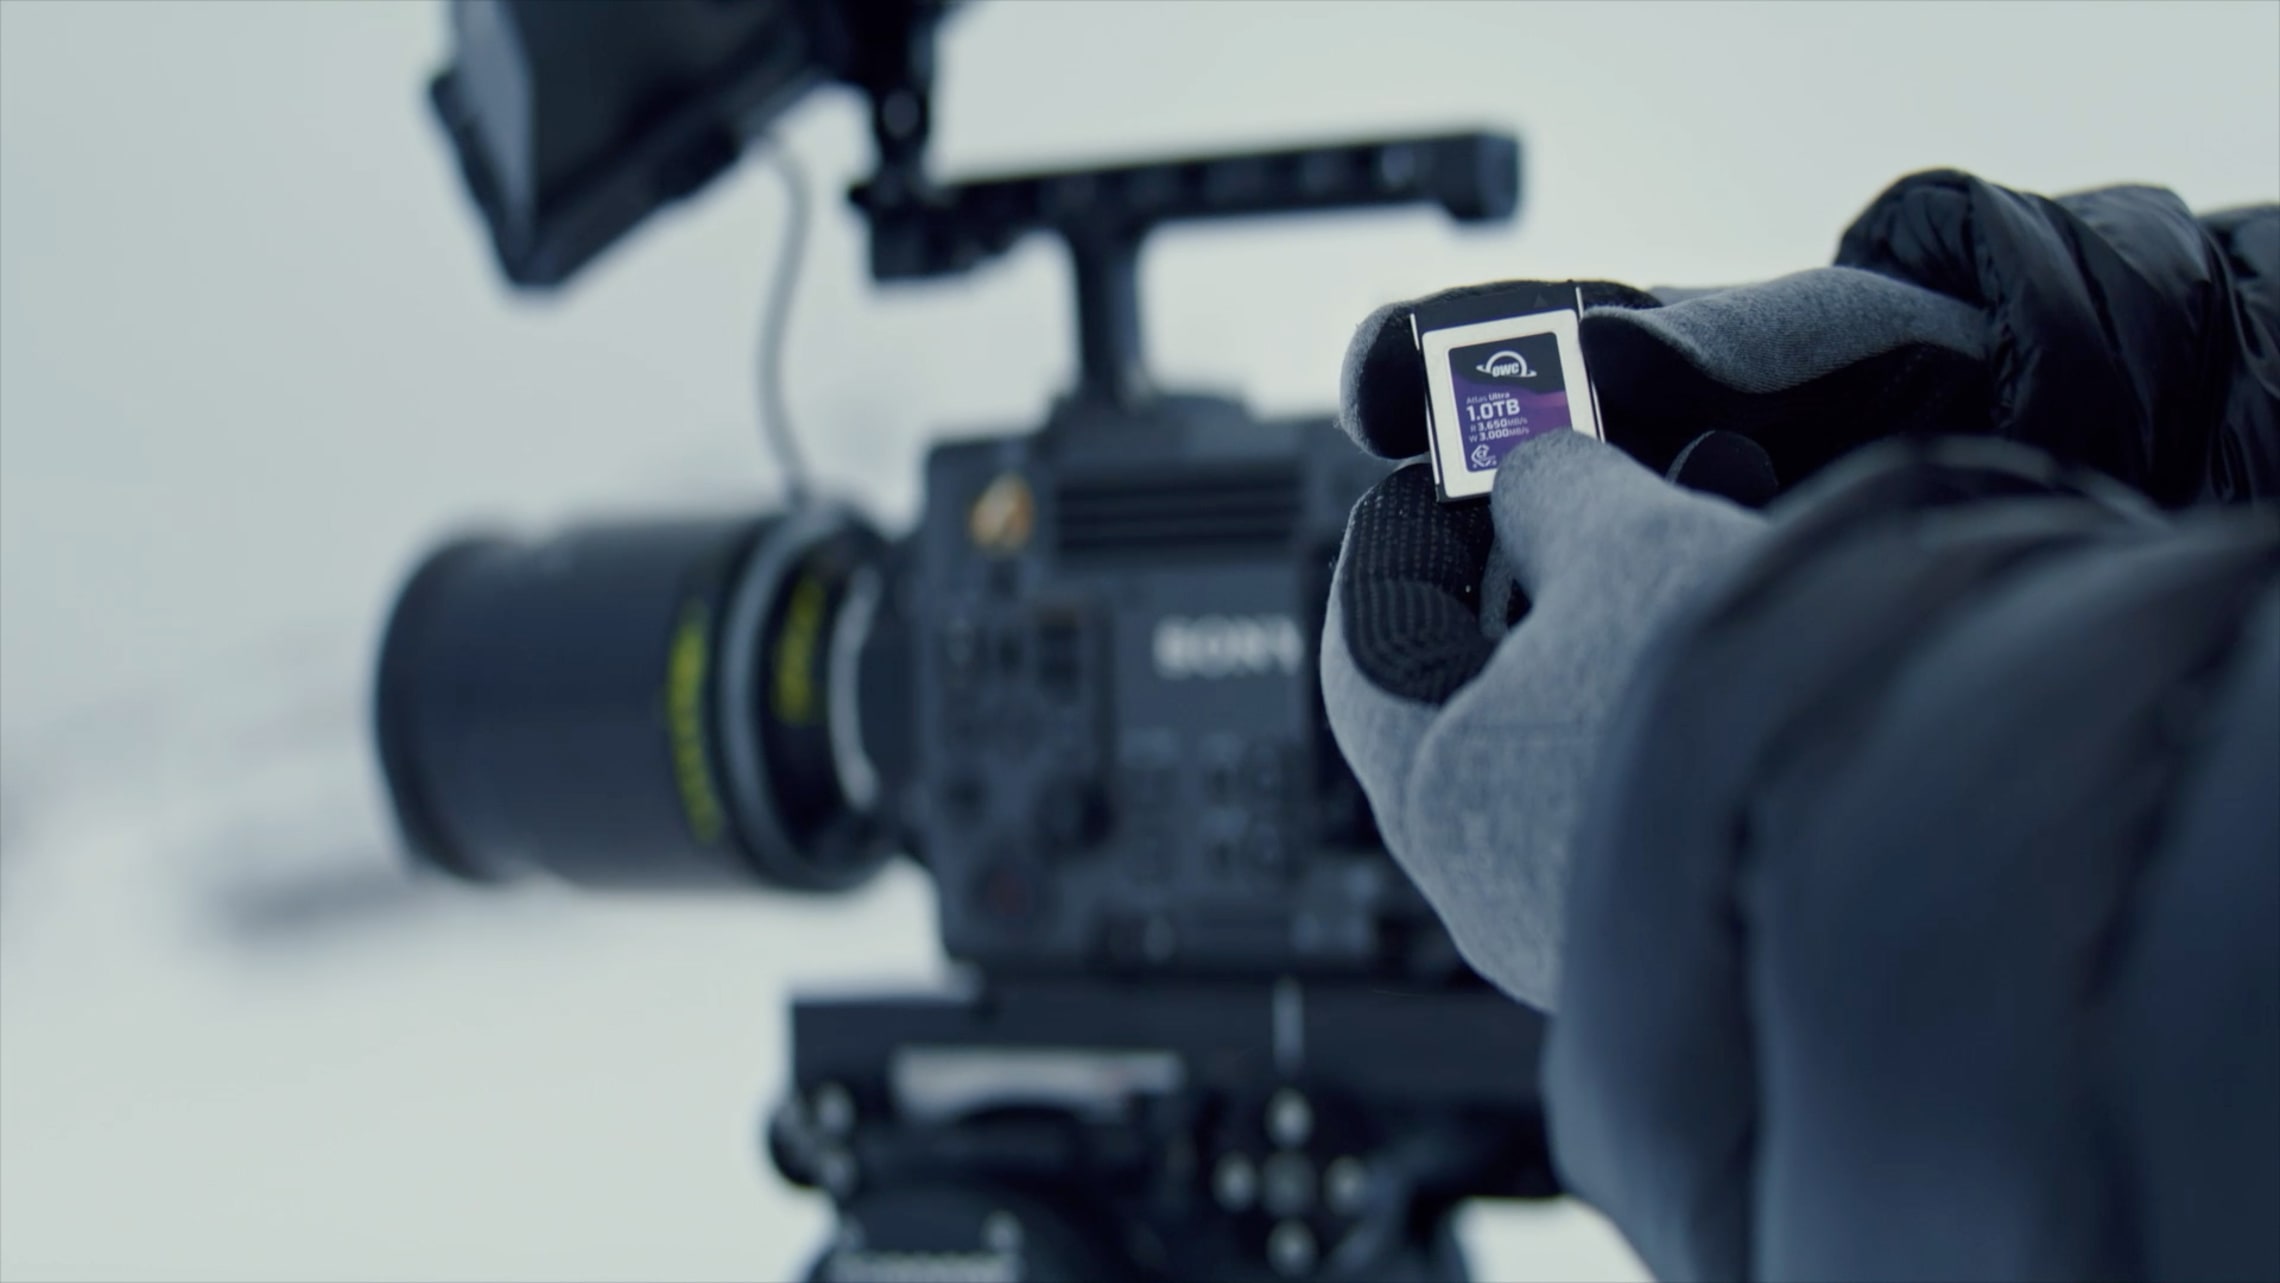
(2125, 333)
(1926, 914)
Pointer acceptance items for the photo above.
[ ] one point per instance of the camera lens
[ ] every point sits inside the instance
(654, 704)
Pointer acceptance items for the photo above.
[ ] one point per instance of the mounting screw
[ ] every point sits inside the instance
(1001, 1233)
(1286, 1185)
(834, 1109)
(1346, 1185)
(836, 1169)
(898, 112)
(1235, 1182)
(1290, 1249)
(1290, 1120)
(1159, 939)
(1396, 167)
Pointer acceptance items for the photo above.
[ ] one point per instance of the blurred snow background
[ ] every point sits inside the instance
(253, 358)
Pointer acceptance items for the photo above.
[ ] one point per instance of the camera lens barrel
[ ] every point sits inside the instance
(654, 704)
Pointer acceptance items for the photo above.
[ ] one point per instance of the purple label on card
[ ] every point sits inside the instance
(1506, 392)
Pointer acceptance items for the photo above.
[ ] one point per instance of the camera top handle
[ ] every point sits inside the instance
(919, 229)
(1103, 214)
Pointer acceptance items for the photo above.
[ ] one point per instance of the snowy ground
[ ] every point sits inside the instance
(253, 357)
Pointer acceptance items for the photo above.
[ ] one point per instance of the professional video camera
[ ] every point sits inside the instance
(1212, 1031)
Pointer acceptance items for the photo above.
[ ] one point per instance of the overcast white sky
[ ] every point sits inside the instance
(253, 357)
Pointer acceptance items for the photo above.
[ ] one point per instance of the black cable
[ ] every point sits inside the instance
(775, 414)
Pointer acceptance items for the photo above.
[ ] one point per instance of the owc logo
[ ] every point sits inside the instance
(1209, 647)
(1506, 364)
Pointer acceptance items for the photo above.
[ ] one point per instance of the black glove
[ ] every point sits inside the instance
(2123, 333)
(1923, 916)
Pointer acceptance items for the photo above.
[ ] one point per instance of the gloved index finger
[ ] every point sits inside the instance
(1409, 583)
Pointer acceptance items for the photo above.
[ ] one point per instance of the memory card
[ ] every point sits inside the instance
(1502, 365)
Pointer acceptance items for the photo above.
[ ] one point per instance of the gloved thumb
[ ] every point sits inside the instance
(1479, 796)
(1577, 516)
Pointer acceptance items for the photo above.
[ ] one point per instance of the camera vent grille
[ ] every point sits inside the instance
(1189, 513)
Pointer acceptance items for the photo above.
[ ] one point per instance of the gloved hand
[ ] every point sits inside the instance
(1923, 907)
(1807, 368)
(1960, 308)
(1475, 740)
(1474, 745)
(1473, 750)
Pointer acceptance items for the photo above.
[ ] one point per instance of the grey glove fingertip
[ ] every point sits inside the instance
(1573, 511)
(1381, 396)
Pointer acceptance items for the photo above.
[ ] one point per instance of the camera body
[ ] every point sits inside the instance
(1215, 1032)
(1205, 1027)
(1123, 763)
